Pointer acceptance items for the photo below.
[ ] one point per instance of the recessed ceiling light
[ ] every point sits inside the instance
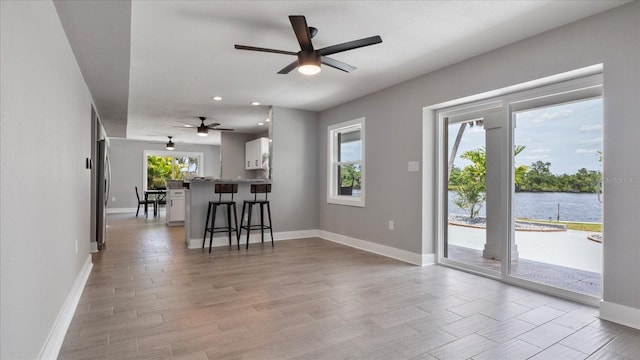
(255, 103)
(217, 98)
(267, 120)
(260, 124)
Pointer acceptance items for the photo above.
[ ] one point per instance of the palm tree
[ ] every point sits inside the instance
(454, 149)
(471, 193)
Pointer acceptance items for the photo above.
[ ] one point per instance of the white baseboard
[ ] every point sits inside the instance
(93, 247)
(391, 252)
(394, 253)
(428, 259)
(620, 314)
(53, 344)
(255, 237)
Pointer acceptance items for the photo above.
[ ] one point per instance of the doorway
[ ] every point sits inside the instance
(520, 188)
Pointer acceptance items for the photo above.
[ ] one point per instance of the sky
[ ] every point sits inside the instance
(568, 136)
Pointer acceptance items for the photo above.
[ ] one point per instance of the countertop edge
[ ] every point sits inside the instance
(229, 181)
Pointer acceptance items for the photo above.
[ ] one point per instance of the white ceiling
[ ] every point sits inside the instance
(182, 54)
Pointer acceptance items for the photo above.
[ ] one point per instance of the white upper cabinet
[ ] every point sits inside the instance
(257, 154)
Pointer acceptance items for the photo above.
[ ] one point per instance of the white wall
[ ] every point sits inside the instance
(394, 127)
(45, 132)
(127, 162)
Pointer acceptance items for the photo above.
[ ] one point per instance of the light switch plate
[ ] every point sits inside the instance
(414, 165)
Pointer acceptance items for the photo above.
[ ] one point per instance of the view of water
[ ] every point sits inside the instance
(544, 206)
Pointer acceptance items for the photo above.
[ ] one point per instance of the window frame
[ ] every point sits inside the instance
(332, 150)
(147, 153)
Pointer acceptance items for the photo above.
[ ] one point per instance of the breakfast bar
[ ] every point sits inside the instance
(197, 198)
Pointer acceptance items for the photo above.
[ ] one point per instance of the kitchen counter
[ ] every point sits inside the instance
(197, 198)
(229, 181)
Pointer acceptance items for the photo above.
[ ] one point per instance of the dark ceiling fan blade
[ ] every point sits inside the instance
(213, 125)
(253, 48)
(223, 129)
(287, 69)
(337, 64)
(300, 27)
(350, 45)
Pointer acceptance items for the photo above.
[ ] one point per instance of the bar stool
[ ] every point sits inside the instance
(257, 189)
(213, 206)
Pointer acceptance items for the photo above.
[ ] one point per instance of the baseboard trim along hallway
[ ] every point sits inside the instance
(53, 344)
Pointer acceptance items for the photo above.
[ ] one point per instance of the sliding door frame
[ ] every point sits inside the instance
(571, 90)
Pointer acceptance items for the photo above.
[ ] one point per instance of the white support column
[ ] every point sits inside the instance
(494, 153)
(497, 151)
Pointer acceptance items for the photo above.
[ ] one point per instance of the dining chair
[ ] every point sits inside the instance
(144, 202)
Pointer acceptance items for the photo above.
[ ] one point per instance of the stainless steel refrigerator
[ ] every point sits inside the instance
(104, 186)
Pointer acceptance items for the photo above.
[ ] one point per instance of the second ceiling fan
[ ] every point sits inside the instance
(203, 129)
(309, 59)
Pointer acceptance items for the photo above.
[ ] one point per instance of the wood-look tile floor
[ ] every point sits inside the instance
(149, 297)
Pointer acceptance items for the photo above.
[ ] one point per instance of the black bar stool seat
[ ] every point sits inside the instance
(212, 209)
(257, 189)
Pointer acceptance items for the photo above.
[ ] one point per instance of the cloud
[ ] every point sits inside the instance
(534, 157)
(586, 151)
(538, 151)
(587, 128)
(597, 140)
(546, 116)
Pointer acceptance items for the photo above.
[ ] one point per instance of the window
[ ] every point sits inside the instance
(346, 163)
(160, 166)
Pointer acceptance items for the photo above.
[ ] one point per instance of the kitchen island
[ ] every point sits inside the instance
(197, 199)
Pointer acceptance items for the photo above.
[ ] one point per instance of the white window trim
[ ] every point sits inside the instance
(332, 191)
(146, 153)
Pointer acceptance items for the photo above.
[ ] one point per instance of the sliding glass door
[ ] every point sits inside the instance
(520, 185)
(557, 205)
(466, 189)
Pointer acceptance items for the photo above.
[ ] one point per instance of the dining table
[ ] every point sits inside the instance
(157, 196)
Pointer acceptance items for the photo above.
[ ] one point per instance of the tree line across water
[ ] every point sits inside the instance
(538, 178)
(469, 183)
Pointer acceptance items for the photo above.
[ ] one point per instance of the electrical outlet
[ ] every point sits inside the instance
(113, 198)
(390, 224)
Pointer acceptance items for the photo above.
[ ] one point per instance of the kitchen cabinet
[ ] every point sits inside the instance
(257, 154)
(175, 207)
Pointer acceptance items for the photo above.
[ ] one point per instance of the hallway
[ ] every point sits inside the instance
(149, 297)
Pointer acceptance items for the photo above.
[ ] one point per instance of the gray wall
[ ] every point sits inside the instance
(127, 161)
(233, 155)
(394, 128)
(294, 170)
(45, 137)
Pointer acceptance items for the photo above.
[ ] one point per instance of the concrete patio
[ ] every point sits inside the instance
(565, 259)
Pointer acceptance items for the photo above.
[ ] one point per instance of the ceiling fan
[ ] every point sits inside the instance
(171, 145)
(203, 129)
(309, 59)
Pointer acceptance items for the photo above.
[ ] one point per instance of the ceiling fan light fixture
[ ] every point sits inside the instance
(170, 144)
(309, 63)
(203, 130)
